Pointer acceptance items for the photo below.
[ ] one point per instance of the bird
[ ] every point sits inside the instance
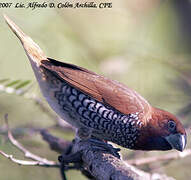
(100, 107)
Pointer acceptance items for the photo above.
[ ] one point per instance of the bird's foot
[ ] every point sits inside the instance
(85, 134)
(65, 159)
(76, 159)
(99, 145)
(70, 158)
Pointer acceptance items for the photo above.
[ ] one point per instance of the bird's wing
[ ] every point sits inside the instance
(101, 88)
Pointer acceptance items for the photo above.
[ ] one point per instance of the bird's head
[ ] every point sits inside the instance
(162, 131)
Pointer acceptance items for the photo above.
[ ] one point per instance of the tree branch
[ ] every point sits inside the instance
(56, 144)
(164, 157)
(28, 163)
(38, 160)
(102, 166)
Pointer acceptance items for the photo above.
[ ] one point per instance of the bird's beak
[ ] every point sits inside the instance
(177, 141)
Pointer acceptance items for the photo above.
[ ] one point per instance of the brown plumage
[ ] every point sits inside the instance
(100, 107)
(99, 87)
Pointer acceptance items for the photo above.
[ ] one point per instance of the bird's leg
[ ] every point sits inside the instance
(85, 134)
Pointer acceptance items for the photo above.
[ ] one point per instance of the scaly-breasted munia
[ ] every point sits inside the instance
(101, 107)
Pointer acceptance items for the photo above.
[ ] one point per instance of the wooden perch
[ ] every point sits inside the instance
(164, 157)
(101, 166)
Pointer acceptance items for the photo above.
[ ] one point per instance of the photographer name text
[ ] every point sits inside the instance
(59, 5)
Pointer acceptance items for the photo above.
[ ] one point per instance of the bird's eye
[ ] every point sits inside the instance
(171, 126)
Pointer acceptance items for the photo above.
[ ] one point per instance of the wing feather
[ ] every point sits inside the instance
(104, 90)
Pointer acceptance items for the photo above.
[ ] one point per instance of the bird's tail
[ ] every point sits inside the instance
(33, 51)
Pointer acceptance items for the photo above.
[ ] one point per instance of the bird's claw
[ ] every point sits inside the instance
(98, 145)
(71, 158)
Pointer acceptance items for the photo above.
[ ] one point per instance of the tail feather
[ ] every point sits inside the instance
(33, 51)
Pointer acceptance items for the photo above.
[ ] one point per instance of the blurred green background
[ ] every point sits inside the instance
(144, 44)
